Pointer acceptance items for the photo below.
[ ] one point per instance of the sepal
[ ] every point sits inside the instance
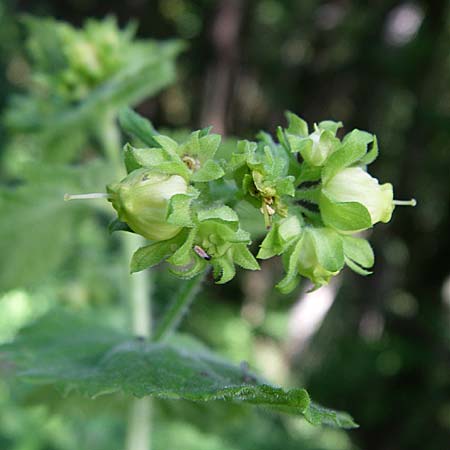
(280, 237)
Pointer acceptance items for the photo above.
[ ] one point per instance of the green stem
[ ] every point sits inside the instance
(140, 289)
(139, 425)
(139, 421)
(140, 413)
(178, 308)
(111, 142)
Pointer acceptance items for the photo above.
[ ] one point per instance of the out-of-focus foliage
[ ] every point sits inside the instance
(382, 351)
(66, 115)
(78, 79)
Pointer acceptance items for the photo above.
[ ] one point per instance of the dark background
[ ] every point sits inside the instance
(383, 350)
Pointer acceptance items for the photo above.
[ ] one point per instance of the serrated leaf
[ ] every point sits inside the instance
(80, 354)
(349, 216)
(138, 127)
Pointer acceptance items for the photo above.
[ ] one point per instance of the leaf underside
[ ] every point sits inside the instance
(76, 354)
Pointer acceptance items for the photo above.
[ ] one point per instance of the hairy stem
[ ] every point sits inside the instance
(140, 290)
(140, 413)
(178, 308)
(139, 420)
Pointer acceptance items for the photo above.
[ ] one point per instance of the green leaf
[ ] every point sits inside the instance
(221, 213)
(149, 68)
(358, 250)
(184, 255)
(372, 154)
(317, 415)
(81, 354)
(209, 143)
(350, 216)
(224, 269)
(356, 268)
(329, 248)
(271, 245)
(135, 158)
(179, 210)
(281, 236)
(330, 125)
(168, 144)
(308, 173)
(195, 266)
(154, 253)
(137, 127)
(299, 144)
(358, 137)
(296, 125)
(291, 279)
(210, 170)
(84, 355)
(244, 258)
(353, 149)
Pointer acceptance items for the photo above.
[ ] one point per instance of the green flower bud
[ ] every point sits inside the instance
(314, 262)
(354, 184)
(323, 145)
(141, 200)
(318, 255)
(317, 146)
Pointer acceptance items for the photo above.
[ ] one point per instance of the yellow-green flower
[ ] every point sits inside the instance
(141, 200)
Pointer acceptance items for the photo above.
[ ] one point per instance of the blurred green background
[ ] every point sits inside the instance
(378, 347)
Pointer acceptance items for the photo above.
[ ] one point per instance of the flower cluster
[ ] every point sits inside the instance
(78, 60)
(310, 189)
(168, 197)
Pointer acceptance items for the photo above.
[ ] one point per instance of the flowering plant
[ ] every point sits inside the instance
(312, 191)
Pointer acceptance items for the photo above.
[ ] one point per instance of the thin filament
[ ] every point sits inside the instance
(68, 197)
(411, 202)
